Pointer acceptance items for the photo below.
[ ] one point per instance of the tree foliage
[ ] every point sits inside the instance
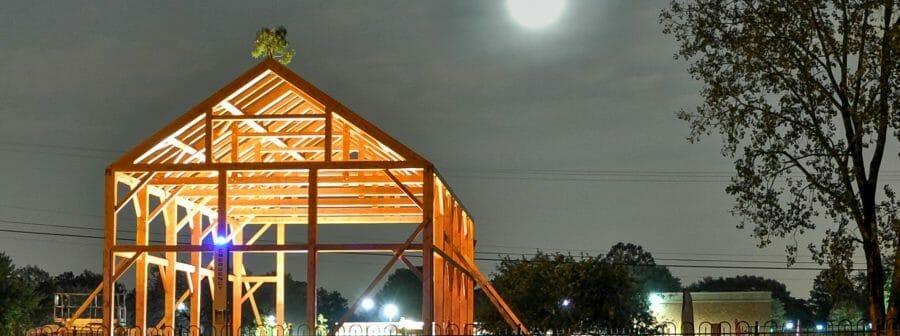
(17, 298)
(330, 304)
(794, 308)
(836, 296)
(600, 295)
(649, 277)
(805, 96)
(272, 42)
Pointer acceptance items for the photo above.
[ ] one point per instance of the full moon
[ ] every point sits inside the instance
(535, 13)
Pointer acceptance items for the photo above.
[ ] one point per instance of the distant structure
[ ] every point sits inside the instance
(712, 308)
(271, 154)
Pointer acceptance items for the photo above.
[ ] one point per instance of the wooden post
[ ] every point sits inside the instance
(220, 292)
(170, 218)
(279, 284)
(237, 264)
(142, 237)
(427, 253)
(109, 288)
(196, 261)
(312, 237)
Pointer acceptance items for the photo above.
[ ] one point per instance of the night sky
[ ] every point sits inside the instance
(563, 138)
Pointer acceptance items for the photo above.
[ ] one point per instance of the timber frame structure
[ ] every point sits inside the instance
(267, 152)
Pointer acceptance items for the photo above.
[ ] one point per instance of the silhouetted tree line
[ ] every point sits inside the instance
(608, 291)
(27, 297)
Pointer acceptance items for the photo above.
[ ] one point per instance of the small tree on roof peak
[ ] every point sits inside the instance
(272, 42)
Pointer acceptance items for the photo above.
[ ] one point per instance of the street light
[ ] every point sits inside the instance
(566, 303)
(390, 310)
(368, 304)
(182, 307)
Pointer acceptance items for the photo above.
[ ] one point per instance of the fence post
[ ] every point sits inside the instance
(756, 329)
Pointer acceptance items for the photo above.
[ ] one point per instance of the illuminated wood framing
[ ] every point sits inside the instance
(271, 153)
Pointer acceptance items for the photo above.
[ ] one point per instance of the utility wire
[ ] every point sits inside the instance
(481, 258)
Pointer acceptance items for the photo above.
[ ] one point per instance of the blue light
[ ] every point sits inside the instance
(219, 240)
(789, 325)
(820, 327)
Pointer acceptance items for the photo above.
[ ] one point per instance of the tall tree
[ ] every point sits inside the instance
(17, 299)
(330, 304)
(272, 42)
(44, 287)
(837, 296)
(556, 292)
(649, 276)
(805, 96)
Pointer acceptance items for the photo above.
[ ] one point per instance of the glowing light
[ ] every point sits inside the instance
(789, 325)
(271, 320)
(656, 301)
(820, 327)
(219, 240)
(182, 307)
(390, 310)
(368, 304)
(566, 302)
(535, 13)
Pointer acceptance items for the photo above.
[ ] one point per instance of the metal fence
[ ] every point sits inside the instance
(722, 328)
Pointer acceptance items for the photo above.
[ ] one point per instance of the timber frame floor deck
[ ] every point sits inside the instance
(267, 151)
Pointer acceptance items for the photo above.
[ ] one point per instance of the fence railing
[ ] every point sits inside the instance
(722, 328)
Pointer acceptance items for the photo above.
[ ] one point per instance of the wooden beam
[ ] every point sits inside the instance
(264, 117)
(266, 166)
(279, 277)
(411, 267)
(300, 192)
(127, 250)
(427, 253)
(109, 241)
(114, 276)
(298, 179)
(312, 259)
(406, 190)
(134, 191)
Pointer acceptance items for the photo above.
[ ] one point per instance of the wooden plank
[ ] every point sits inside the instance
(348, 202)
(142, 237)
(109, 241)
(127, 250)
(266, 166)
(208, 136)
(339, 220)
(267, 117)
(358, 211)
(282, 180)
(196, 261)
(427, 251)
(411, 267)
(312, 259)
(283, 135)
(169, 278)
(409, 193)
(165, 202)
(329, 137)
(301, 192)
(280, 276)
(134, 191)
